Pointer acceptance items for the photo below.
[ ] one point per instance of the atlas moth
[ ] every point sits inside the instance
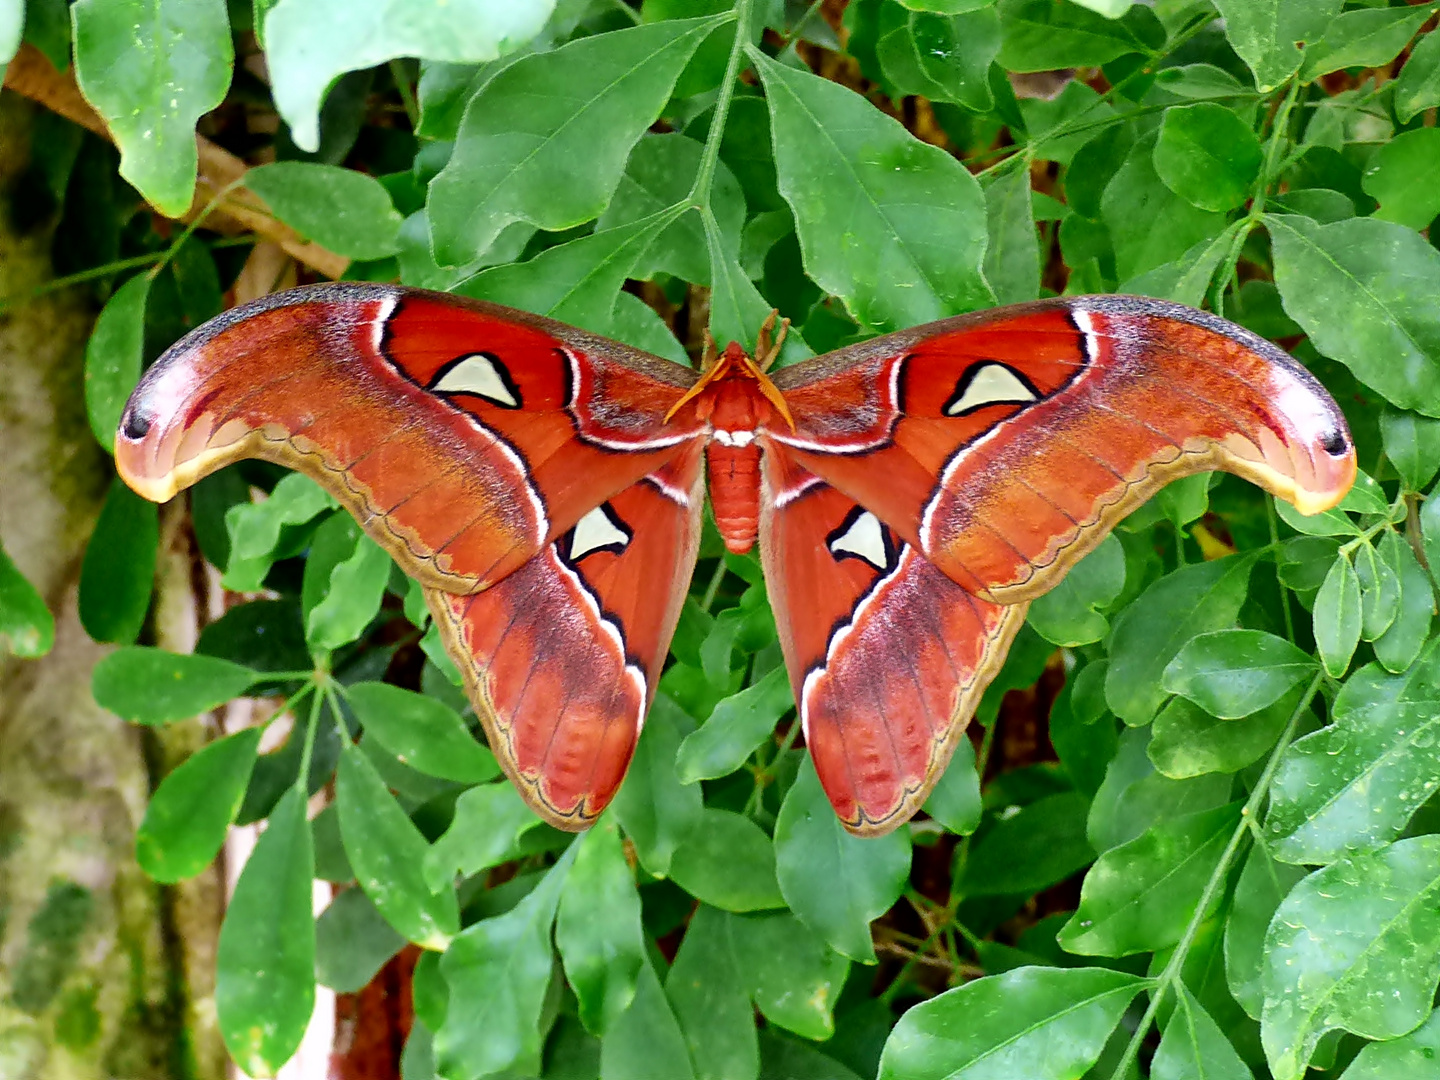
(910, 495)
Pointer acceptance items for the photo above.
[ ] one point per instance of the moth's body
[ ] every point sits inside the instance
(910, 495)
(736, 411)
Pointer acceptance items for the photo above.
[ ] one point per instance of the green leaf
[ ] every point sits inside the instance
(707, 990)
(598, 929)
(1133, 797)
(1262, 885)
(656, 810)
(27, 628)
(352, 942)
(955, 801)
(1149, 224)
(914, 236)
(1412, 443)
(938, 56)
(728, 862)
(1041, 36)
(1152, 631)
(1186, 280)
(1012, 256)
(1415, 1056)
(545, 140)
(1194, 1048)
(1429, 529)
(1069, 614)
(794, 978)
(646, 1041)
(489, 821)
(1234, 673)
(1354, 785)
(153, 686)
(113, 357)
(422, 732)
(499, 972)
(1031, 1022)
(265, 964)
(1418, 87)
(1207, 155)
(1361, 289)
(1366, 38)
(1337, 616)
(340, 209)
(1398, 174)
(151, 69)
(255, 527)
(118, 573)
(1188, 741)
(737, 310)
(1353, 947)
(1040, 844)
(576, 282)
(1266, 33)
(659, 173)
(1138, 897)
(310, 43)
(12, 29)
(739, 724)
(357, 586)
(1379, 591)
(834, 882)
(186, 819)
(1397, 648)
(387, 853)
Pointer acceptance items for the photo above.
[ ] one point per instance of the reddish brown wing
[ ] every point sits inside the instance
(562, 656)
(887, 656)
(465, 437)
(1003, 445)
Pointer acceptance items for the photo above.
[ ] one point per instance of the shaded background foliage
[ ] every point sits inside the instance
(1215, 861)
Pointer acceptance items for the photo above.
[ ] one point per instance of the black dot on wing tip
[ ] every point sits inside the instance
(135, 425)
(1335, 444)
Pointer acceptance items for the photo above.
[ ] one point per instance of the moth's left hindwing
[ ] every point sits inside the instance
(561, 658)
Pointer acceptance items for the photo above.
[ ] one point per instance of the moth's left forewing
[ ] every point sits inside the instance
(1004, 445)
(887, 656)
(562, 656)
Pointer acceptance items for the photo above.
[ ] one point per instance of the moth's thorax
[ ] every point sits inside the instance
(736, 403)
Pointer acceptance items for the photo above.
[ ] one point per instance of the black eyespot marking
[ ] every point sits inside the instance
(135, 426)
(1336, 444)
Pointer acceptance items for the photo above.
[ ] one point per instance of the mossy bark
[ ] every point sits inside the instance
(99, 967)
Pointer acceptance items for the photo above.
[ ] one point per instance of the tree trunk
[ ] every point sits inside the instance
(102, 973)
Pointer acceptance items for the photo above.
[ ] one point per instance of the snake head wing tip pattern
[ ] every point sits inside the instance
(910, 495)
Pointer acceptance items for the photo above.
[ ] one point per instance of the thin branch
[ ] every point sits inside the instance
(31, 75)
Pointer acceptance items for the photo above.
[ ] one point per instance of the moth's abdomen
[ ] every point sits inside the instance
(733, 462)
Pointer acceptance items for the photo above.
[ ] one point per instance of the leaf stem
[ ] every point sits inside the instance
(105, 270)
(199, 220)
(401, 78)
(794, 36)
(1273, 519)
(700, 193)
(302, 778)
(714, 587)
(1268, 174)
(1248, 813)
(626, 10)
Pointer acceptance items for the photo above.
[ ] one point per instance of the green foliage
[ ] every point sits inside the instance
(1231, 845)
